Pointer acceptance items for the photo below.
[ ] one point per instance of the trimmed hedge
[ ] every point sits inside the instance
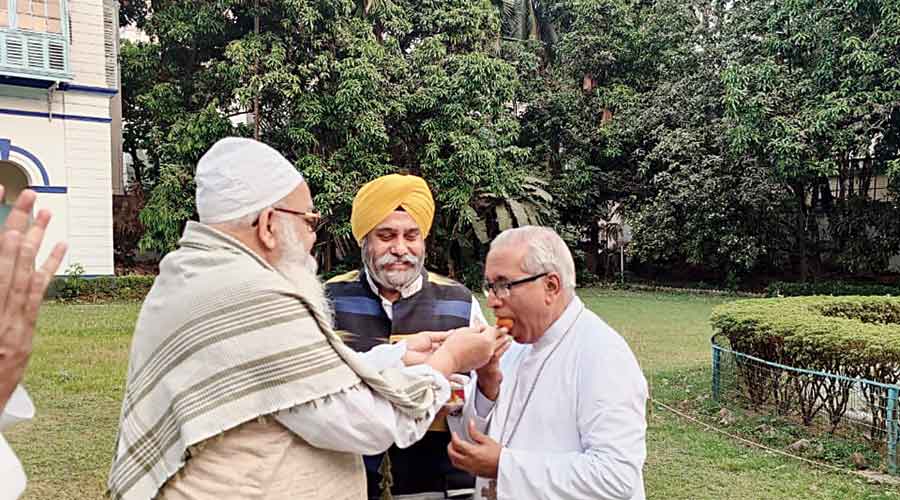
(836, 288)
(75, 288)
(856, 337)
(853, 336)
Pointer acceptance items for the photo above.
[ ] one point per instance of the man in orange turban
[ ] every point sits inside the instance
(393, 295)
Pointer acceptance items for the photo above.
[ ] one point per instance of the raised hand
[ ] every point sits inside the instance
(490, 376)
(419, 347)
(464, 350)
(22, 287)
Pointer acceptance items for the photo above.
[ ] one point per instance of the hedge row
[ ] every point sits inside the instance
(836, 288)
(856, 337)
(826, 333)
(76, 288)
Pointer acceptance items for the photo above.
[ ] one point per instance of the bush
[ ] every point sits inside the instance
(836, 288)
(76, 288)
(855, 337)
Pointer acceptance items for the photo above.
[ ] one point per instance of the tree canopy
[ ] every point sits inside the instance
(738, 137)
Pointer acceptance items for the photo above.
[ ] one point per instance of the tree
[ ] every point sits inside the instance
(423, 93)
(810, 87)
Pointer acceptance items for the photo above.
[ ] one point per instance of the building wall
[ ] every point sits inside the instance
(66, 133)
(87, 57)
(70, 140)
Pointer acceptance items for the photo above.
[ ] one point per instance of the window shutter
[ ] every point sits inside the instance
(111, 41)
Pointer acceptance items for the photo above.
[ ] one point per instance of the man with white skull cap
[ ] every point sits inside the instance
(237, 386)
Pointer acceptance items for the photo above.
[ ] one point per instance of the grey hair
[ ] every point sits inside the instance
(545, 252)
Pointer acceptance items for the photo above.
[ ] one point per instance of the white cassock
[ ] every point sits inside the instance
(570, 415)
(12, 477)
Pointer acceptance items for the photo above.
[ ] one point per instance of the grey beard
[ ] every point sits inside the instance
(299, 267)
(392, 280)
(308, 285)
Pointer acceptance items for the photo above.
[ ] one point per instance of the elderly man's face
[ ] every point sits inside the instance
(300, 200)
(295, 234)
(528, 304)
(395, 251)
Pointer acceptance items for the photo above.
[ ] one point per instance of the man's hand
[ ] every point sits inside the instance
(22, 287)
(489, 375)
(481, 458)
(465, 349)
(419, 347)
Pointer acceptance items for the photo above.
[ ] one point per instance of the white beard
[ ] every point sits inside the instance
(392, 280)
(299, 267)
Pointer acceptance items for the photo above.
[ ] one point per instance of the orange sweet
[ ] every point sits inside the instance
(505, 323)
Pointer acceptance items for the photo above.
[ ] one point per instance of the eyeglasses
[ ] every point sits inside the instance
(313, 219)
(501, 288)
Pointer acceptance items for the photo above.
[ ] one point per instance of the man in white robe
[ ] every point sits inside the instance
(568, 419)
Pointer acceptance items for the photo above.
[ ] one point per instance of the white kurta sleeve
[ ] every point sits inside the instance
(359, 420)
(611, 422)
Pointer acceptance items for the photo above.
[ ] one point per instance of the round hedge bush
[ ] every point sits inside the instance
(855, 336)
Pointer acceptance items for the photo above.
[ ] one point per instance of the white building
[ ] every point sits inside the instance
(60, 125)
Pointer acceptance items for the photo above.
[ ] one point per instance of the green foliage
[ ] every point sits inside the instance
(103, 289)
(70, 286)
(717, 125)
(835, 288)
(347, 94)
(855, 336)
(815, 89)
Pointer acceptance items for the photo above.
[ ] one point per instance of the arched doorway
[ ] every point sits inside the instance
(14, 180)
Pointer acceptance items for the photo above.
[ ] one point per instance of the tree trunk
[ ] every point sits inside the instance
(138, 166)
(591, 255)
(802, 234)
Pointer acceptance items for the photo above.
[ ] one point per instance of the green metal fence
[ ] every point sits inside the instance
(834, 401)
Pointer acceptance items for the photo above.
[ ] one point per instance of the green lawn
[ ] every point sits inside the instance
(78, 371)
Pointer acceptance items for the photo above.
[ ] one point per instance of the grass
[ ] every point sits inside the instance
(78, 370)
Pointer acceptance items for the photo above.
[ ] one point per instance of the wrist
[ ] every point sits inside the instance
(489, 388)
(443, 361)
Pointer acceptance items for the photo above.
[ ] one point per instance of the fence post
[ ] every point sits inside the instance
(716, 359)
(893, 429)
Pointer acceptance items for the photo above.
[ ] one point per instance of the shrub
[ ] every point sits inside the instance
(856, 337)
(76, 288)
(70, 286)
(836, 288)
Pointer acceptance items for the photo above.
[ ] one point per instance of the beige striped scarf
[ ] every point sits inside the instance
(221, 339)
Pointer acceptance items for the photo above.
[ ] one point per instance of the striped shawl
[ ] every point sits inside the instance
(221, 339)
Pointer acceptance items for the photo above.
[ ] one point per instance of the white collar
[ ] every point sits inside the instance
(405, 292)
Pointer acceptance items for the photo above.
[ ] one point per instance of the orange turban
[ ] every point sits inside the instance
(377, 199)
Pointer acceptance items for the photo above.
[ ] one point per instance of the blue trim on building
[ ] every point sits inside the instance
(4, 149)
(21, 81)
(34, 159)
(39, 83)
(456, 308)
(358, 305)
(49, 189)
(61, 116)
(68, 87)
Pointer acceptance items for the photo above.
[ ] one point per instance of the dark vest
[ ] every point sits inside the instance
(441, 304)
